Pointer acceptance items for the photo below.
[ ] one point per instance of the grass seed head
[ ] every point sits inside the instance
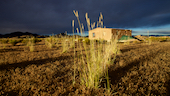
(76, 13)
(77, 30)
(82, 26)
(72, 23)
(88, 21)
(92, 25)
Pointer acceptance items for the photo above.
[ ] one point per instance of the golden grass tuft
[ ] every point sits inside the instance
(65, 45)
(31, 44)
(50, 42)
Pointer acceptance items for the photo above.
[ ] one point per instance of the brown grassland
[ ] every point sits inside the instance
(139, 69)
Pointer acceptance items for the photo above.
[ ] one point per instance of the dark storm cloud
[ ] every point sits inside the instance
(55, 16)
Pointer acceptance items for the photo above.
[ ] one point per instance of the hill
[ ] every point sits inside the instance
(17, 34)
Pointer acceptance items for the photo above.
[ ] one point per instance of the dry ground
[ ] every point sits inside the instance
(139, 70)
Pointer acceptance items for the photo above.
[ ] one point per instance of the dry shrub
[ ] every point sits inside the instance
(135, 42)
(50, 42)
(86, 40)
(156, 39)
(4, 41)
(14, 42)
(31, 44)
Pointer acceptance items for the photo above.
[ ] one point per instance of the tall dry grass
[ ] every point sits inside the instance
(31, 44)
(149, 39)
(96, 60)
(65, 44)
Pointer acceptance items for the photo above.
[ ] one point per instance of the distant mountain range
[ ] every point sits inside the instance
(17, 34)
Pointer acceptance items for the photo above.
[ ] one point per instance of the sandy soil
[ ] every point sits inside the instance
(140, 70)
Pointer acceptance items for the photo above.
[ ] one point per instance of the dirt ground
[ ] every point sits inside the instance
(140, 69)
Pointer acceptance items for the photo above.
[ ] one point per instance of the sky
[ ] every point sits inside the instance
(55, 16)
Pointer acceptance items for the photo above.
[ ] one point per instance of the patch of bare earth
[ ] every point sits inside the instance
(140, 70)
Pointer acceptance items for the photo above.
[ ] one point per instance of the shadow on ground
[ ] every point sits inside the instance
(116, 74)
(134, 47)
(36, 62)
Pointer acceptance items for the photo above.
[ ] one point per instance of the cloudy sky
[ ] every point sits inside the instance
(55, 16)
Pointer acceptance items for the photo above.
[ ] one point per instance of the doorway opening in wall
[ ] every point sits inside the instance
(93, 34)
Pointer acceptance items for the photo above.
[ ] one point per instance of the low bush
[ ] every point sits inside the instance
(163, 39)
(50, 42)
(135, 42)
(31, 44)
(33, 40)
(14, 42)
(156, 39)
(80, 39)
(96, 40)
(100, 41)
(25, 41)
(4, 41)
(20, 40)
(87, 41)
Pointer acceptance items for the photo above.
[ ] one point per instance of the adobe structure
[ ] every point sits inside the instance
(108, 33)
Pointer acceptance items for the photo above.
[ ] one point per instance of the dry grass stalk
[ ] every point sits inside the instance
(82, 27)
(92, 26)
(97, 24)
(76, 14)
(88, 21)
(100, 20)
(77, 30)
(74, 80)
(149, 41)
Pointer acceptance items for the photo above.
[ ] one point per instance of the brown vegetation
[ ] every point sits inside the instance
(140, 69)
